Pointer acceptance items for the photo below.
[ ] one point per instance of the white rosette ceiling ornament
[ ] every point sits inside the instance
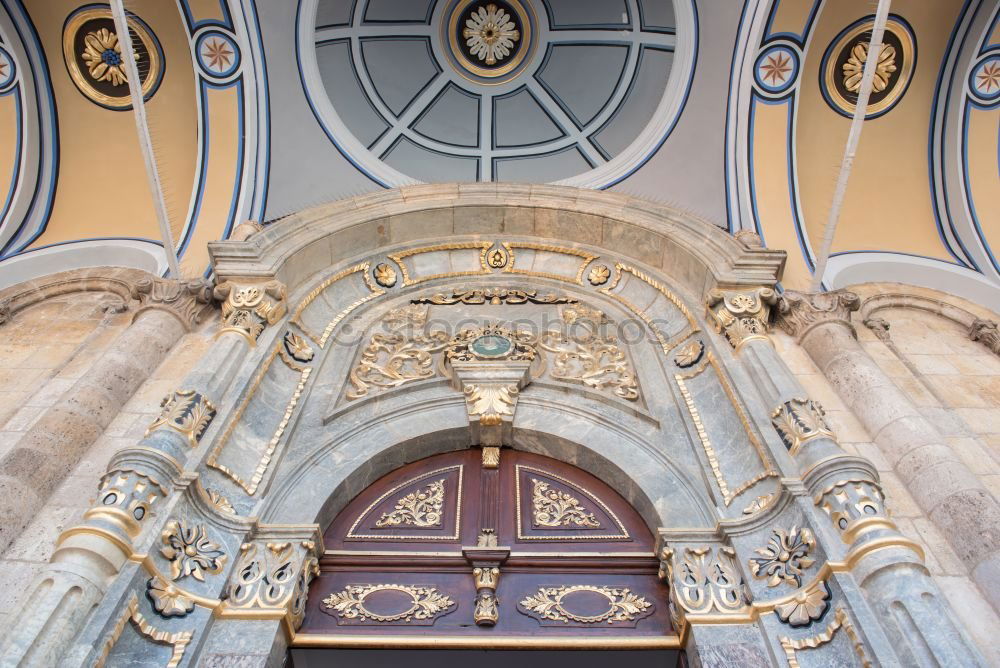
(563, 91)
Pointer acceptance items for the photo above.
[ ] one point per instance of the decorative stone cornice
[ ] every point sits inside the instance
(188, 301)
(248, 308)
(741, 315)
(799, 312)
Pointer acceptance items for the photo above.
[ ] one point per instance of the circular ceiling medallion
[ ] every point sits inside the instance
(8, 71)
(984, 80)
(93, 56)
(844, 63)
(489, 40)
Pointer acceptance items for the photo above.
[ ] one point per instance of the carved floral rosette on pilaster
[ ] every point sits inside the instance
(742, 315)
(188, 301)
(248, 308)
(798, 421)
(799, 312)
(272, 575)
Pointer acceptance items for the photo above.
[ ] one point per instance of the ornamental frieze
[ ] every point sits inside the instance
(374, 604)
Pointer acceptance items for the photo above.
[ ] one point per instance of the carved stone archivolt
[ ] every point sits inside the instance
(799, 312)
(741, 315)
(249, 308)
(186, 412)
(798, 421)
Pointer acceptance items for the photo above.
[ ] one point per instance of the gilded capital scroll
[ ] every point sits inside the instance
(248, 308)
(741, 315)
(799, 312)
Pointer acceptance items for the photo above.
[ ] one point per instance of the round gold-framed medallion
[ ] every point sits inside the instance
(844, 62)
(489, 40)
(94, 59)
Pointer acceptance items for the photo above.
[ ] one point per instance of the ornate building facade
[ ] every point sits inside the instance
(341, 332)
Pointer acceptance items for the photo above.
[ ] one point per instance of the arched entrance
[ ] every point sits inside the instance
(486, 549)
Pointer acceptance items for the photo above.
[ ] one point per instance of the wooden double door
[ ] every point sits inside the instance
(488, 548)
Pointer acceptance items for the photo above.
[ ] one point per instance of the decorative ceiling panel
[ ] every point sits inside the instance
(496, 89)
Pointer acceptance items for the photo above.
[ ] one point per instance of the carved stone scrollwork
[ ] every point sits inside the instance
(785, 557)
(798, 421)
(188, 301)
(987, 333)
(177, 641)
(273, 575)
(397, 357)
(740, 315)
(249, 308)
(490, 404)
(589, 356)
(495, 297)
(187, 412)
(847, 502)
(800, 312)
(708, 581)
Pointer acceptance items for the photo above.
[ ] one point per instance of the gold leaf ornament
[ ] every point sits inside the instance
(555, 508)
(190, 552)
(421, 508)
(599, 275)
(298, 348)
(854, 68)
(384, 275)
(103, 55)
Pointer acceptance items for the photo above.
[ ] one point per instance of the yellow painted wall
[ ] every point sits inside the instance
(102, 189)
(888, 202)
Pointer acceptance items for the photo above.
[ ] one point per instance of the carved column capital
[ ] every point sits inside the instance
(188, 301)
(705, 580)
(800, 312)
(984, 331)
(273, 572)
(741, 315)
(249, 307)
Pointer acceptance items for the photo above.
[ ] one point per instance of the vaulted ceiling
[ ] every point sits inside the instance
(736, 112)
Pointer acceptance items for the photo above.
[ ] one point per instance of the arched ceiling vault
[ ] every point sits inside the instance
(734, 111)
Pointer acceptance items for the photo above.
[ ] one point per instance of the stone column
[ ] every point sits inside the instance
(31, 470)
(139, 480)
(913, 614)
(947, 491)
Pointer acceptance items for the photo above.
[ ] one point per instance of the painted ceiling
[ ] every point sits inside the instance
(733, 111)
